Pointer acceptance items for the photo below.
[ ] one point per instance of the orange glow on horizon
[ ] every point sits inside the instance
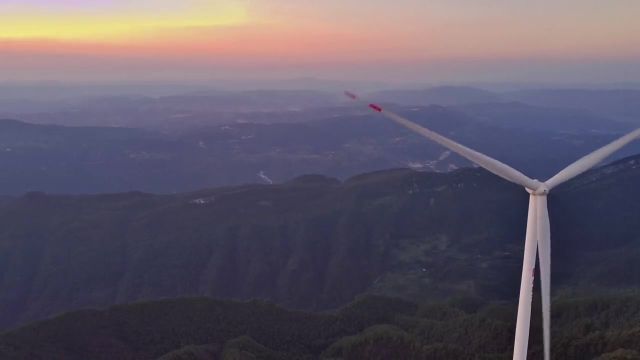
(306, 43)
(262, 33)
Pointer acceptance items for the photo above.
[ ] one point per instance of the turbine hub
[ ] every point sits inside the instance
(541, 190)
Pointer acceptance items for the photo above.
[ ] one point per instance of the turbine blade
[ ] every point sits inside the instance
(544, 254)
(523, 322)
(490, 164)
(591, 160)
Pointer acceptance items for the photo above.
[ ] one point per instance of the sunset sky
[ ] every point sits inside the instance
(419, 40)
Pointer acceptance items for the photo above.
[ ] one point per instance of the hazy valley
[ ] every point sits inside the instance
(262, 142)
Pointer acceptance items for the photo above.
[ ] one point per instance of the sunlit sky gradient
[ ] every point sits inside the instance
(418, 40)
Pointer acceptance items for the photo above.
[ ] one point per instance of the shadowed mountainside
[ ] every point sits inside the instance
(313, 243)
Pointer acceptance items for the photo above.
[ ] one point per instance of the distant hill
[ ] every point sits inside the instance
(619, 104)
(371, 328)
(313, 243)
(440, 95)
(523, 116)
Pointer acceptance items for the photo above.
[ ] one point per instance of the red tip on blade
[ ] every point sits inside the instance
(351, 95)
(375, 107)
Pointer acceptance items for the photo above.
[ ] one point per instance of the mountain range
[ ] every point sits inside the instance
(313, 243)
(214, 107)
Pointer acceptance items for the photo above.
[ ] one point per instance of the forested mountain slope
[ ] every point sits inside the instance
(373, 328)
(313, 243)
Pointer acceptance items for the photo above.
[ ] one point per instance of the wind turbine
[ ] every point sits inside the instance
(537, 238)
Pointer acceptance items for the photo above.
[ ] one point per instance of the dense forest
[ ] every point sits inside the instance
(372, 327)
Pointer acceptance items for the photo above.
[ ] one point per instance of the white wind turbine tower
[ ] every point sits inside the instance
(538, 236)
